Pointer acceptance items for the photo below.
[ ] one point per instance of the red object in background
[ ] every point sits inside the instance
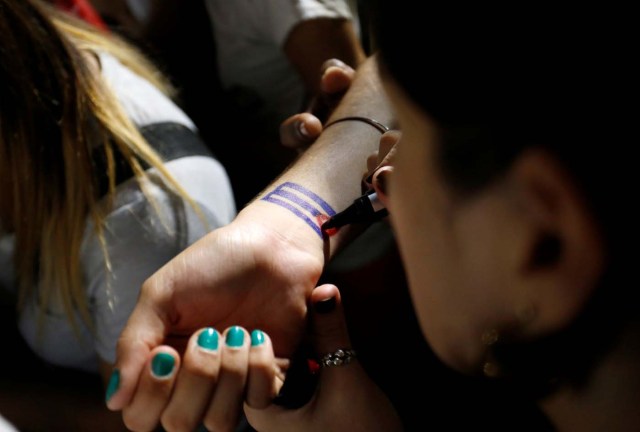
(84, 10)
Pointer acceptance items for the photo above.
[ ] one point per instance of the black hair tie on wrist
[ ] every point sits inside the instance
(375, 123)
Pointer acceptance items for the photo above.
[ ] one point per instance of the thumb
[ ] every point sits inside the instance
(329, 329)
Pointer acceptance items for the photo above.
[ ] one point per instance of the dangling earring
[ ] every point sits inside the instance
(490, 367)
(524, 315)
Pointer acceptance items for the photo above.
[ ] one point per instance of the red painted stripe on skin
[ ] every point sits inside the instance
(329, 232)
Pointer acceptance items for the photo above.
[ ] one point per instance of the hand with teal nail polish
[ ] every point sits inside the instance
(271, 296)
(208, 383)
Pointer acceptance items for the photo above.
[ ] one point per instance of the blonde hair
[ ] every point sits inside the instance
(55, 113)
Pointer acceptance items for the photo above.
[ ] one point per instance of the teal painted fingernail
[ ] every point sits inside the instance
(114, 384)
(235, 337)
(257, 337)
(208, 339)
(162, 365)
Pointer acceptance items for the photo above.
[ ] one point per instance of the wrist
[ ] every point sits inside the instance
(282, 229)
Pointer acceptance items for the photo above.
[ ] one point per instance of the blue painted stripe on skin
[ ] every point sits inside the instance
(322, 203)
(297, 200)
(295, 211)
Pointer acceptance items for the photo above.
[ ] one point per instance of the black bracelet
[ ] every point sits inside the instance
(375, 123)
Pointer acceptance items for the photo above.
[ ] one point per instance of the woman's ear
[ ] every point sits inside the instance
(563, 250)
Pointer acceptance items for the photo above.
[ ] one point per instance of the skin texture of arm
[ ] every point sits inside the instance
(259, 270)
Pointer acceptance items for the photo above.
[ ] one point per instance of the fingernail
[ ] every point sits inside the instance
(235, 337)
(114, 384)
(381, 181)
(257, 338)
(303, 130)
(325, 306)
(208, 339)
(162, 365)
